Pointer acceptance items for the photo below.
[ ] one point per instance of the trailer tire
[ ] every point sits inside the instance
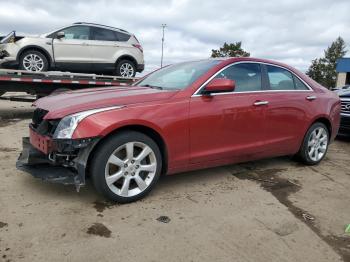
(33, 61)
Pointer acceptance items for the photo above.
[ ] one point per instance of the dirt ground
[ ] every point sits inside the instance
(270, 210)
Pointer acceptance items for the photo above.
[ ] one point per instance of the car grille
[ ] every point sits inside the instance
(38, 117)
(345, 106)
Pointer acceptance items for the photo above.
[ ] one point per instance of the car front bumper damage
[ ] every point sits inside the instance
(67, 165)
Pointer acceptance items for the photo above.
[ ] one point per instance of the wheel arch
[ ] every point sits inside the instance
(36, 48)
(127, 57)
(324, 120)
(150, 132)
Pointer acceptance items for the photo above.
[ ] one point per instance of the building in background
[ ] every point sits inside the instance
(343, 71)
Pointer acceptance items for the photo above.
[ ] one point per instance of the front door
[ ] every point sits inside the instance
(229, 125)
(73, 51)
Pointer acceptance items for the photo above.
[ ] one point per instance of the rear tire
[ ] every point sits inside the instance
(33, 61)
(126, 68)
(126, 166)
(315, 144)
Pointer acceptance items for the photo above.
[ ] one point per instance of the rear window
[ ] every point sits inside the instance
(282, 79)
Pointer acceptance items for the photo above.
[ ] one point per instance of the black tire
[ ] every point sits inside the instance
(45, 63)
(303, 154)
(121, 64)
(2, 93)
(105, 150)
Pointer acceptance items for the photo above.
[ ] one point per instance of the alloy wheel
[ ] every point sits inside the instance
(130, 169)
(317, 144)
(126, 70)
(33, 62)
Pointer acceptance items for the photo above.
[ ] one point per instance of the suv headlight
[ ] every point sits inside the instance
(68, 124)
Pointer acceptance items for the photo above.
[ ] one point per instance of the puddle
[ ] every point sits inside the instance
(101, 206)
(99, 229)
(281, 188)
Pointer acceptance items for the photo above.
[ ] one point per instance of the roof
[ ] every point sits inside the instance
(103, 26)
(343, 64)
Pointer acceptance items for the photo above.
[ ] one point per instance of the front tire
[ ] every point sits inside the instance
(125, 68)
(126, 167)
(315, 144)
(33, 61)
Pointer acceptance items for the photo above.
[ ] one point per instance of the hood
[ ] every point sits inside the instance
(68, 103)
(344, 93)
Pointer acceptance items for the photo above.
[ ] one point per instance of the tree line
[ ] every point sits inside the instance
(322, 69)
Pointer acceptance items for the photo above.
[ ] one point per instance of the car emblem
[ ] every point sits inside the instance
(347, 107)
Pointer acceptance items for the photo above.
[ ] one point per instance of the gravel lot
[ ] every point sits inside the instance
(270, 210)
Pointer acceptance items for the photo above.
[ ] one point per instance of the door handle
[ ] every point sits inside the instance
(84, 44)
(310, 98)
(261, 103)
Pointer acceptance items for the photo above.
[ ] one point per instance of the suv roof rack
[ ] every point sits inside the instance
(81, 23)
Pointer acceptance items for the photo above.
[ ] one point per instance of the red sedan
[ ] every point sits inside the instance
(182, 117)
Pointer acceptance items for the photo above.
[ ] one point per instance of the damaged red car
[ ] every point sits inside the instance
(182, 117)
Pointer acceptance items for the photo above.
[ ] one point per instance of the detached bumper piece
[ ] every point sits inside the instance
(54, 169)
(38, 165)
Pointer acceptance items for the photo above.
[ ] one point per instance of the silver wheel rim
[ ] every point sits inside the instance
(126, 70)
(33, 62)
(130, 169)
(317, 144)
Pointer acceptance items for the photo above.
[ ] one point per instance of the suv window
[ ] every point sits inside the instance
(122, 37)
(247, 76)
(103, 34)
(76, 32)
(280, 79)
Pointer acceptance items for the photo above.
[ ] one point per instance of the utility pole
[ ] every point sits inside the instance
(161, 60)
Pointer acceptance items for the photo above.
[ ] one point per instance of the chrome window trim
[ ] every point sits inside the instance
(197, 92)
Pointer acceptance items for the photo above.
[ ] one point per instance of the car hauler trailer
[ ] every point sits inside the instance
(44, 83)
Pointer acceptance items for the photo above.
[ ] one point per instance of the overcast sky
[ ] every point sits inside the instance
(291, 31)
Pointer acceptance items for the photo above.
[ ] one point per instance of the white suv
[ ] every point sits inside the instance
(81, 47)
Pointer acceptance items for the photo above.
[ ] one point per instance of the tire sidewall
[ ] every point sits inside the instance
(104, 151)
(119, 64)
(42, 56)
(304, 150)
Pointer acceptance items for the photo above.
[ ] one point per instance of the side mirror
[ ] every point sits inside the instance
(219, 85)
(60, 35)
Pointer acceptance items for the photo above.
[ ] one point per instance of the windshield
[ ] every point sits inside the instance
(178, 76)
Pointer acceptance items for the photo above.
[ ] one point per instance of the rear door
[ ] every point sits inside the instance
(289, 101)
(73, 51)
(229, 125)
(106, 44)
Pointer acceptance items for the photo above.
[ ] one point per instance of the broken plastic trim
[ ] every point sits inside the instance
(37, 164)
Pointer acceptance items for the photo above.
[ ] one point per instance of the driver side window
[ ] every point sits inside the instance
(76, 33)
(247, 76)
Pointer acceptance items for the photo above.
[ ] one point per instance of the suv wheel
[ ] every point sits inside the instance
(125, 68)
(315, 144)
(126, 166)
(33, 61)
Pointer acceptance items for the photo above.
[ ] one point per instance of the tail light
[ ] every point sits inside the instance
(138, 46)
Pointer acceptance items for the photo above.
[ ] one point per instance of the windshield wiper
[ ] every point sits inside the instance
(155, 87)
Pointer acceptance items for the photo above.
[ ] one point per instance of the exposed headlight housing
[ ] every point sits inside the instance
(68, 124)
